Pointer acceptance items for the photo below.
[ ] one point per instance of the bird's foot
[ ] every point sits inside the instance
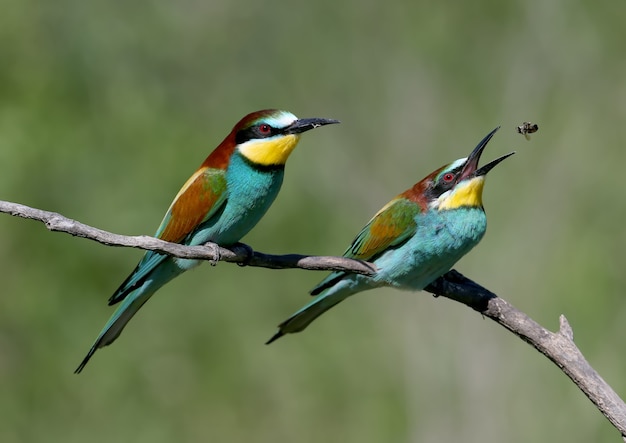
(242, 248)
(215, 250)
(436, 287)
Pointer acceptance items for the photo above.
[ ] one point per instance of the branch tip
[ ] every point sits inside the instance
(565, 329)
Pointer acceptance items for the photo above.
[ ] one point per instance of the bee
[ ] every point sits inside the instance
(527, 128)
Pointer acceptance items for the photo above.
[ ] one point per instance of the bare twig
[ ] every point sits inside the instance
(559, 347)
(239, 253)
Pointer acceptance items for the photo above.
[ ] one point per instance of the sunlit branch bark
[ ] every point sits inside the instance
(239, 253)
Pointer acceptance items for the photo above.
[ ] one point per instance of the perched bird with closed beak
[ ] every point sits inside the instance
(223, 200)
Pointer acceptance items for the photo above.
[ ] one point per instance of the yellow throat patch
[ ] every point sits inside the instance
(468, 193)
(273, 151)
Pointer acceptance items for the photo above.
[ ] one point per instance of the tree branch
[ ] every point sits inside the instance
(559, 347)
(239, 253)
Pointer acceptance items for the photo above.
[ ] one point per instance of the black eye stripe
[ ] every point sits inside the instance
(254, 133)
(440, 186)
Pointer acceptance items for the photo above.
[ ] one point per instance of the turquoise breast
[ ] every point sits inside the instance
(251, 191)
(442, 238)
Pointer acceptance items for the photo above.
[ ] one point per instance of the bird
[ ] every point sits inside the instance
(220, 203)
(414, 239)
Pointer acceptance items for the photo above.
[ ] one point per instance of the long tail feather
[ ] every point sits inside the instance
(118, 321)
(132, 302)
(328, 282)
(305, 316)
(148, 264)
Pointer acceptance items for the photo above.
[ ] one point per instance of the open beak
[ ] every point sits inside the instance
(305, 124)
(471, 166)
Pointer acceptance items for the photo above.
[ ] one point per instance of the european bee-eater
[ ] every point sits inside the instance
(415, 238)
(220, 203)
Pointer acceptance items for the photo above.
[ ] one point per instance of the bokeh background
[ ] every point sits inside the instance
(106, 107)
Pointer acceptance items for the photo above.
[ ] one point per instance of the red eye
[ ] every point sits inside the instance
(265, 129)
(448, 177)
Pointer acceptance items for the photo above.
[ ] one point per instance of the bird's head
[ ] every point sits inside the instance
(267, 137)
(459, 184)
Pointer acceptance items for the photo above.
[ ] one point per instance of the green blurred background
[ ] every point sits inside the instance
(106, 107)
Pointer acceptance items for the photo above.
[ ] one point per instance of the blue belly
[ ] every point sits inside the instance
(442, 238)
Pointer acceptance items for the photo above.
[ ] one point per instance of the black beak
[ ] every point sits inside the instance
(471, 166)
(305, 124)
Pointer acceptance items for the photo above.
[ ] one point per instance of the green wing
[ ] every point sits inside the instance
(391, 226)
